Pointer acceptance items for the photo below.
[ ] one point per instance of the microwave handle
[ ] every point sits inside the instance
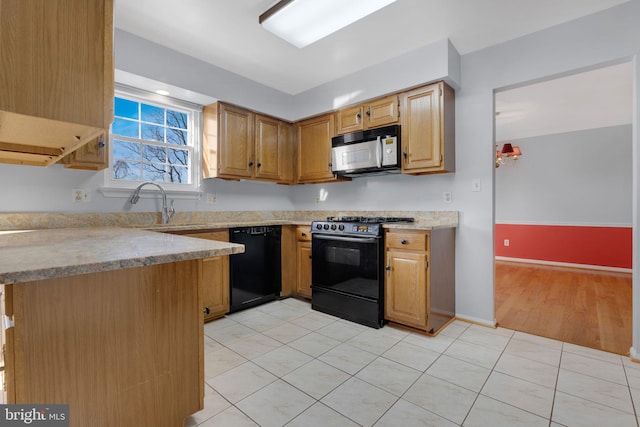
(379, 152)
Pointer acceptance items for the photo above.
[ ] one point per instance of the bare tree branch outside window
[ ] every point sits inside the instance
(161, 152)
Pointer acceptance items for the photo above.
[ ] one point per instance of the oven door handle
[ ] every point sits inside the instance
(346, 239)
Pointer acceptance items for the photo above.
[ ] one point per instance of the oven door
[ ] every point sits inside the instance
(347, 265)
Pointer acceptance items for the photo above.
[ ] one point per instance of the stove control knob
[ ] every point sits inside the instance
(319, 226)
(341, 227)
(326, 226)
(333, 226)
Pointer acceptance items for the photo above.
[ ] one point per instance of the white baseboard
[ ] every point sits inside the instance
(565, 264)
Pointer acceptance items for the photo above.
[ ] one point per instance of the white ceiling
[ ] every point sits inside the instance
(588, 100)
(226, 33)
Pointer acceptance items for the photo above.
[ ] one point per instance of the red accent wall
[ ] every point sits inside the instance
(598, 246)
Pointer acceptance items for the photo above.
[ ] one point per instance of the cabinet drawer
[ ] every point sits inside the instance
(303, 234)
(404, 240)
(221, 236)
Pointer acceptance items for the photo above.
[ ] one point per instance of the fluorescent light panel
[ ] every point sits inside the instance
(302, 22)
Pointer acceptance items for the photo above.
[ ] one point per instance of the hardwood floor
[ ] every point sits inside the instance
(586, 307)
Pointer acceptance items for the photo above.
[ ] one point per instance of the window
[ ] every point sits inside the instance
(153, 139)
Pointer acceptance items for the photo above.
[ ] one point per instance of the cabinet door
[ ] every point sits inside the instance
(314, 149)
(381, 112)
(92, 156)
(422, 129)
(287, 154)
(235, 143)
(269, 147)
(303, 286)
(405, 288)
(215, 292)
(349, 120)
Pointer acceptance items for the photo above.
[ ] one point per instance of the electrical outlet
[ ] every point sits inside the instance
(80, 196)
(447, 196)
(211, 198)
(506, 242)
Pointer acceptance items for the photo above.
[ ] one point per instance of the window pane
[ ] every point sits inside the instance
(153, 132)
(153, 153)
(178, 157)
(126, 170)
(125, 128)
(176, 119)
(152, 114)
(179, 174)
(126, 150)
(126, 108)
(176, 136)
(153, 172)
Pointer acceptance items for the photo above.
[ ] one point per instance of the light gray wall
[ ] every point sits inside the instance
(573, 178)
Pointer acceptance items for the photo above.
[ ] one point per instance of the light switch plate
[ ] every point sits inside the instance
(476, 184)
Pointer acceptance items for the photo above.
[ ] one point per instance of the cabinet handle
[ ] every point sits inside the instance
(101, 144)
(309, 256)
(330, 164)
(259, 164)
(358, 116)
(303, 234)
(403, 242)
(250, 164)
(206, 311)
(368, 113)
(404, 154)
(387, 267)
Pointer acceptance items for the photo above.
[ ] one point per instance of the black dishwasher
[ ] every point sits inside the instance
(255, 275)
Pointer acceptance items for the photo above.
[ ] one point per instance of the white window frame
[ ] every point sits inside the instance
(122, 188)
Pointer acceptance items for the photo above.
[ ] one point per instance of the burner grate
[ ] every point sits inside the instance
(370, 219)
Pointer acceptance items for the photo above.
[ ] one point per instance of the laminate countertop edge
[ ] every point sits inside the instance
(29, 255)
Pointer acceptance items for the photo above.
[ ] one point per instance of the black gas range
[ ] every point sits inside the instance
(347, 267)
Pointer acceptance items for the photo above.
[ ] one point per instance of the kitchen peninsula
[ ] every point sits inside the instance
(107, 320)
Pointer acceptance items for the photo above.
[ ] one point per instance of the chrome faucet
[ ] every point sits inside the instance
(167, 211)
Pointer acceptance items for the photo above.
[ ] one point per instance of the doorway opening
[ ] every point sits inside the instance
(563, 212)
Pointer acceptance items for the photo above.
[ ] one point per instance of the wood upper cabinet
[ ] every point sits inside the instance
(303, 257)
(56, 80)
(314, 149)
(376, 113)
(215, 278)
(235, 143)
(420, 278)
(241, 144)
(428, 129)
(91, 156)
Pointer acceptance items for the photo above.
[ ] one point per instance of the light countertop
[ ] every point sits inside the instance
(50, 253)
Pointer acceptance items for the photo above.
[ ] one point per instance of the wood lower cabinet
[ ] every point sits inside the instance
(241, 144)
(215, 278)
(314, 149)
(303, 262)
(420, 278)
(428, 129)
(57, 77)
(120, 347)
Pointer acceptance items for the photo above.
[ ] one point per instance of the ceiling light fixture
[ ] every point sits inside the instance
(508, 155)
(162, 92)
(302, 22)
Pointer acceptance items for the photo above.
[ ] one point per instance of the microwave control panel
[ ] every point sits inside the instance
(389, 151)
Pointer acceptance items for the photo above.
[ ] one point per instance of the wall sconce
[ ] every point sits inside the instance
(508, 155)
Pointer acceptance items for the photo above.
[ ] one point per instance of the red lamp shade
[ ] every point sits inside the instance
(516, 151)
(507, 149)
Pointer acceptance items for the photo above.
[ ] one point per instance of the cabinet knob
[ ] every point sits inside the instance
(330, 164)
(259, 164)
(206, 311)
(368, 113)
(403, 242)
(404, 154)
(309, 256)
(303, 234)
(250, 164)
(358, 116)
(101, 144)
(387, 267)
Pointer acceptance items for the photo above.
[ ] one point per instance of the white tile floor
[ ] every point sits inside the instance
(285, 364)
